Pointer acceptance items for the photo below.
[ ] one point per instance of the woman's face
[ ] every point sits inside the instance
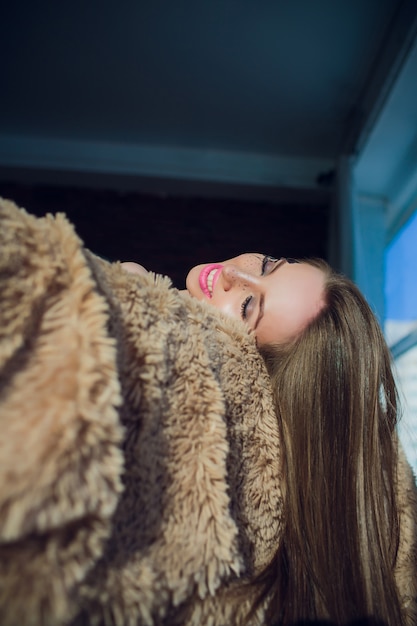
(274, 297)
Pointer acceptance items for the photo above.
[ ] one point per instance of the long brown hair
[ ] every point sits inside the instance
(337, 405)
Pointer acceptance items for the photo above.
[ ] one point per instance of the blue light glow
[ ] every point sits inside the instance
(401, 274)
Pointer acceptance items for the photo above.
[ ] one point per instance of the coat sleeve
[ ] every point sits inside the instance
(60, 457)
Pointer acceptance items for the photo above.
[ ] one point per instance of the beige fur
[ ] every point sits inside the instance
(140, 462)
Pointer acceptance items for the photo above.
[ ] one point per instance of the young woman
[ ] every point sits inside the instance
(337, 406)
(274, 297)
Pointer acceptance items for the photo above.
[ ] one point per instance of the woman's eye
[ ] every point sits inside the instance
(244, 307)
(267, 259)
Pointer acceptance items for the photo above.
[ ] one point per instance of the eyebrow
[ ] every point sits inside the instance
(278, 264)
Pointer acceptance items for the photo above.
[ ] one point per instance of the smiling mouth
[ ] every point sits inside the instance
(208, 278)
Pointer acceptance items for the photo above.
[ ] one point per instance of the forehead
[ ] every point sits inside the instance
(294, 294)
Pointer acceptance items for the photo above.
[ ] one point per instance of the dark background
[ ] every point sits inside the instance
(171, 234)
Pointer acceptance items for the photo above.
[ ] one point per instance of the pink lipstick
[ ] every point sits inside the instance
(209, 275)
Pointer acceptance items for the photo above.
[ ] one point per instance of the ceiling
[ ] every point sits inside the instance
(259, 94)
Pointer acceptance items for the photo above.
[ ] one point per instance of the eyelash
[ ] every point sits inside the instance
(244, 307)
(266, 259)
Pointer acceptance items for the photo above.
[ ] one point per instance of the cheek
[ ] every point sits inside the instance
(227, 306)
(250, 264)
(191, 282)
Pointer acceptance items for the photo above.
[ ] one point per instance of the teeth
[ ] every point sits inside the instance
(210, 281)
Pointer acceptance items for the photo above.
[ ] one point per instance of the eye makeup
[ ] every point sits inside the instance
(267, 259)
(244, 307)
(264, 267)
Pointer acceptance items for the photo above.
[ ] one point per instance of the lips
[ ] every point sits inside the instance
(208, 278)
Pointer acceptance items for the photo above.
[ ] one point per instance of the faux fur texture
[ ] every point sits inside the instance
(140, 460)
(139, 452)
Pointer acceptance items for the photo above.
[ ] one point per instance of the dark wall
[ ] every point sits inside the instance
(171, 234)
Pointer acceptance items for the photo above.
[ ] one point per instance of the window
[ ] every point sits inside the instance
(401, 327)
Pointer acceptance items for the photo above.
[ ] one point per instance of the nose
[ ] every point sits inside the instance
(233, 275)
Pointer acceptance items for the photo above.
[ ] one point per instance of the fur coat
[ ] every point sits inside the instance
(140, 463)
